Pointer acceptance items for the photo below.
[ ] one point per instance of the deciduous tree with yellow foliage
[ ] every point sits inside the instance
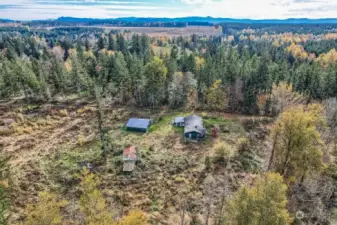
(328, 58)
(216, 98)
(46, 211)
(5, 201)
(296, 150)
(135, 217)
(297, 51)
(92, 203)
(283, 96)
(262, 204)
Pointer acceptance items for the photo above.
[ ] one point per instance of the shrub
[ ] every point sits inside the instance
(46, 211)
(208, 163)
(249, 162)
(63, 166)
(118, 161)
(222, 151)
(5, 131)
(243, 145)
(20, 117)
(80, 139)
(20, 129)
(135, 217)
(63, 112)
(248, 159)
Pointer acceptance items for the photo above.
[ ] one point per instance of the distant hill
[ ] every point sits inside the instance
(194, 19)
(5, 21)
(177, 22)
(210, 20)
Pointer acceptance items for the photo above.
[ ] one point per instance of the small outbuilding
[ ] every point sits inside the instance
(179, 122)
(139, 125)
(194, 130)
(129, 158)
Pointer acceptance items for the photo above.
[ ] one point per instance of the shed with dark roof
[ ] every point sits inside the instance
(139, 125)
(194, 129)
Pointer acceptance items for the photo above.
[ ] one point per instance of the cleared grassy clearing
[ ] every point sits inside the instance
(64, 138)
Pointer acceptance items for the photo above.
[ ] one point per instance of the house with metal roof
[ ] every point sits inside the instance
(129, 158)
(139, 125)
(179, 122)
(194, 130)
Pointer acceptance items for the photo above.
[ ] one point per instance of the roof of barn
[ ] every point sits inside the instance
(138, 123)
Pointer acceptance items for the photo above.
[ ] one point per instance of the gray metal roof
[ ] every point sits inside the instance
(194, 123)
(138, 123)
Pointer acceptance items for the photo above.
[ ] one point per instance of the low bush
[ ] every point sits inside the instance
(222, 152)
(247, 157)
(63, 113)
(63, 166)
(5, 131)
(243, 145)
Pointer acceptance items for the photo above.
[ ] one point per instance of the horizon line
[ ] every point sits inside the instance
(172, 18)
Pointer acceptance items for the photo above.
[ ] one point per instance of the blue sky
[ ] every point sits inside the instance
(253, 9)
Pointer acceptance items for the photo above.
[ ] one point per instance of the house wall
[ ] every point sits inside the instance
(128, 166)
(136, 129)
(178, 124)
(192, 135)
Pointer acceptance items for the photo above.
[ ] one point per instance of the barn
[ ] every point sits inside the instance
(139, 125)
(194, 130)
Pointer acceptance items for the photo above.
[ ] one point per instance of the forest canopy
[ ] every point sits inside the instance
(266, 94)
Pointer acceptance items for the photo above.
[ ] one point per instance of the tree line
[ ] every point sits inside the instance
(179, 72)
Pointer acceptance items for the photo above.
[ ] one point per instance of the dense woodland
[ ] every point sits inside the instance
(143, 71)
(256, 70)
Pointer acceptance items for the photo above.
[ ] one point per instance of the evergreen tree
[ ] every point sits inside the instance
(112, 43)
(121, 43)
(121, 77)
(101, 43)
(180, 88)
(79, 76)
(87, 45)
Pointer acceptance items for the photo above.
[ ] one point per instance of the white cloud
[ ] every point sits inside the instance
(197, 2)
(254, 9)
(263, 9)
